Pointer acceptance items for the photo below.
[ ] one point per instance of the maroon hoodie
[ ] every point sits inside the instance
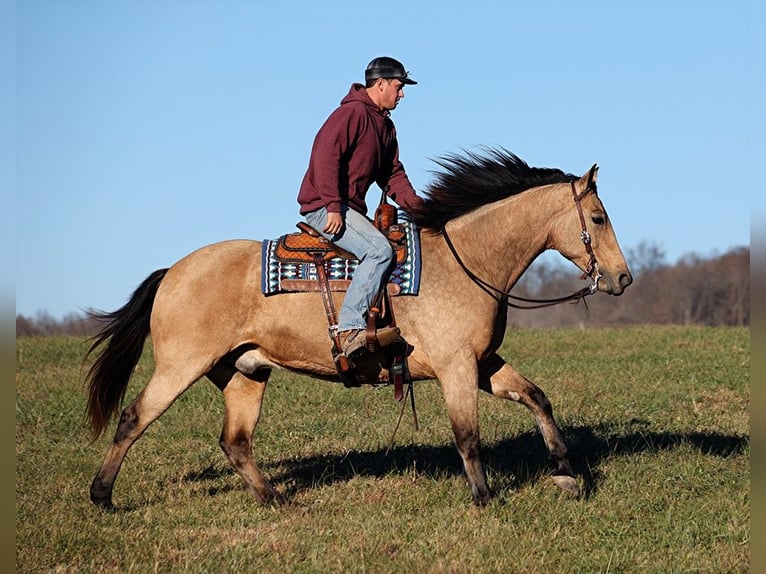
(355, 148)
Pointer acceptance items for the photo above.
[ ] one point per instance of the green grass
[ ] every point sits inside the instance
(657, 420)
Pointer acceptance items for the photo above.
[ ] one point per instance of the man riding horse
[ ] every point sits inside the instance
(354, 148)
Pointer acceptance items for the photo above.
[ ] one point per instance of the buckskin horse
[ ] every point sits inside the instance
(485, 218)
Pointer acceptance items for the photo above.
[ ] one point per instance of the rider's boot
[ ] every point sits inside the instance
(354, 341)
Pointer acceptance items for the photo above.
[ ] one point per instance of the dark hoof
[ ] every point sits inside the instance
(104, 504)
(481, 499)
(268, 496)
(101, 496)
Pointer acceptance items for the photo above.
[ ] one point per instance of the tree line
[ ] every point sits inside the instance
(697, 290)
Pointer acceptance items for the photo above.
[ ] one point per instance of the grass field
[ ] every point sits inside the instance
(657, 420)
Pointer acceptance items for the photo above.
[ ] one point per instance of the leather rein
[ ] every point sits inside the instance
(591, 270)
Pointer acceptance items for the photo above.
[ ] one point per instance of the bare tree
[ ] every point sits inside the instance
(646, 256)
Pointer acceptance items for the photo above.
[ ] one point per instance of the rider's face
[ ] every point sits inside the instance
(391, 92)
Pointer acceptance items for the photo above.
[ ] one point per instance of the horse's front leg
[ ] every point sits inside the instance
(461, 394)
(500, 379)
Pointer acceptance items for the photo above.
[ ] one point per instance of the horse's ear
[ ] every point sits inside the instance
(593, 174)
(589, 179)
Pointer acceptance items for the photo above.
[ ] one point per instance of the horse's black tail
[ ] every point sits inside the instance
(124, 333)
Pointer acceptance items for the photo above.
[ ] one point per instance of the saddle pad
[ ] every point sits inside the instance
(284, 277)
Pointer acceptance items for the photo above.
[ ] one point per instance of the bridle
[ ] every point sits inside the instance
(591, 269)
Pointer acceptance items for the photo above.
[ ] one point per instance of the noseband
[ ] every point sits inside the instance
(591, 270)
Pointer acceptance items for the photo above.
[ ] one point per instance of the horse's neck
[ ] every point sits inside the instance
(500, 240)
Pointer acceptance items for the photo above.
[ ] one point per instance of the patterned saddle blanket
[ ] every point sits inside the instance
(288, 274)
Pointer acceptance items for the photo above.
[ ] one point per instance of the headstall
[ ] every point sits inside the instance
(591, 269)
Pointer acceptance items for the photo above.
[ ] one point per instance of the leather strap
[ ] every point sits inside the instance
(397, 371)
(342, 361)
(504, 297)
(324, 285)
(400, 372)
(584, 235)
(370, 337)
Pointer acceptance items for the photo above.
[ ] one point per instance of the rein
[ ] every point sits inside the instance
(577, 296)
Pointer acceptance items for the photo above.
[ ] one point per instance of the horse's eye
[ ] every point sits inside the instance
(598, 219)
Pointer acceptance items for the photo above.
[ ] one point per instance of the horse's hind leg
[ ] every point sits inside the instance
(500, 379)
(243, 398)
(146, 408)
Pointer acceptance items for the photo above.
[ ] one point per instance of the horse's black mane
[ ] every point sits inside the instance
(470, 181)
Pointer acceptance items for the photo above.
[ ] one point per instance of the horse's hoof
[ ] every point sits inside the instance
(567, 483)
(105, 504)
(267, 495)
(277, 500)
(481, 498)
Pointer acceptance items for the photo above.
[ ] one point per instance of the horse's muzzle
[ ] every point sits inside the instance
(615, 285)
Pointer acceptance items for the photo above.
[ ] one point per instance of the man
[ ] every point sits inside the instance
(355, 148)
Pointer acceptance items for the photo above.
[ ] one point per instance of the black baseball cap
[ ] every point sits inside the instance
(387, 68)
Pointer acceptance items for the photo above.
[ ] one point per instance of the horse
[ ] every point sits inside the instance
(484, 219)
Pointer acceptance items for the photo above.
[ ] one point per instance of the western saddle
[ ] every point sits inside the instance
(309, 246)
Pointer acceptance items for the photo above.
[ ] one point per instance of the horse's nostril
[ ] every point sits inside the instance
(625, 279)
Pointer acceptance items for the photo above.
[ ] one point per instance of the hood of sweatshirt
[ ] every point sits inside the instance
(358, 93)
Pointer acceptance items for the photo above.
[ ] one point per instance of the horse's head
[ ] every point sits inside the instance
(585, 236)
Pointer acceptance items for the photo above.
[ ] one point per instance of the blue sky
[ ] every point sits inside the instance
(145, 130)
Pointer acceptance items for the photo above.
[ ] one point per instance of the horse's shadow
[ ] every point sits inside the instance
(512, 463)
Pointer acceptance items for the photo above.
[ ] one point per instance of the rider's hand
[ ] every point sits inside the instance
(334, 223)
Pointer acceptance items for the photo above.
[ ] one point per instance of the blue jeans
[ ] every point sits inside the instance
(360, 237)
